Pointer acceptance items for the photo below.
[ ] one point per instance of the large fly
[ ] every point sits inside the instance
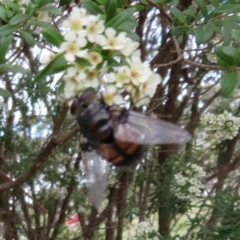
(116, 135)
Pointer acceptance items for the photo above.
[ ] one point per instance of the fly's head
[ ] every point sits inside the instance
(82, 101)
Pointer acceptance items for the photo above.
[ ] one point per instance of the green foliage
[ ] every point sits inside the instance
(58, 64)
(39, 140)
(4, 68)
(5, 93)
(92, 7)
(27, 35)
(4, 47)
(53, 37)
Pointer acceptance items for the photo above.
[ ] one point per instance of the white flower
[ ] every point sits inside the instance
(81, 76)
(47, 59)
(86, 38)
(138, 71)
(73, 23)
(129, 47)
(71, 49)
(95, 58)
(91, 80)
(94, 29)
(112, 41)
(81, 41)
(120, 77)
(220, 127)
(111, 95)
(44, 16)
(149, 87)
(71, 86)
(190, 184)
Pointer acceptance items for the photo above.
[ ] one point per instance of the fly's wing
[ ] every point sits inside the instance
(97, 171)
(141, 129)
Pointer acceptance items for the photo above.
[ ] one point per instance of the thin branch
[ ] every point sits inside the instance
(35, 202)
(205, 66)
(47, 149)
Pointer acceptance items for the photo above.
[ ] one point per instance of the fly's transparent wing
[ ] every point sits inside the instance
(97, 171)
(141, 129)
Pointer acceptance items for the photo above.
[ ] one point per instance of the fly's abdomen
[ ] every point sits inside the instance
(120, 153)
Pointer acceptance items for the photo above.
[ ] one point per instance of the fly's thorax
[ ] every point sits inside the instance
(95, 121)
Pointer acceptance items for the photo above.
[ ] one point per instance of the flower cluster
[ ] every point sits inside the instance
(189, 183)
(102, 59)
(220, 127)
(144, 231)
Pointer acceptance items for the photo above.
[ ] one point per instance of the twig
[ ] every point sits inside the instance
(35, 202)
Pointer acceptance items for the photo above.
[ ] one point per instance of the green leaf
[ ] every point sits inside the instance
(120, 3)
(236, 35)
(180, 29)
(42, 3)
(226, 58)
(83, 62)
(178, 15)
(130, 23)
(227, 29)
(12, 5)
(204, 32)
(58, 64)
(64, 3)
(7, 29)
(209, 30)
(4, 68)
(229, 82)
(120, 18)
(234, 53)
(180, 39)
(199, 16)
(53, 36)
(102, 2)
(224, 64)
(27, 36)
(41, 24)
(19, 19)
(5, 93)
(10, 13)
(199, 32)
(5, 42)
(92, 7)
(111, 9)
(215, 3)
(3, 14)
(228, 8)
(190, 11)
(51, 9)
(60, 88)
(138, 7)
(202, 6)
(31, 8)
(129, 32)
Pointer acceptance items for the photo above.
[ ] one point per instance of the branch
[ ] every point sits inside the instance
(35, 202)
(47, 149)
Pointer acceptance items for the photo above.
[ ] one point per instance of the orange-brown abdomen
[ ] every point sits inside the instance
(120, 153)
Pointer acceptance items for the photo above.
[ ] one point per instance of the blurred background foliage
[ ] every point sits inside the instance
(175, 192)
